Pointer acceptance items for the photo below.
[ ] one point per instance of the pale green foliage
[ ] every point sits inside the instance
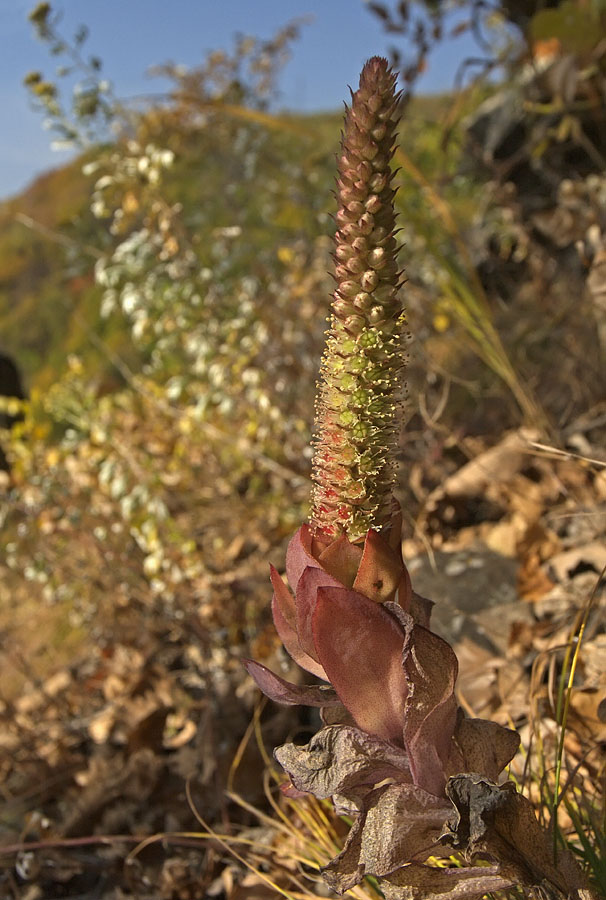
(225, 317)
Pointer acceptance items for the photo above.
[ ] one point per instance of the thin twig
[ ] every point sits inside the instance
(56, 236)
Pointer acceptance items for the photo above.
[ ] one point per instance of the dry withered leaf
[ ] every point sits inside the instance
(591, 556)
(585, 715)
(398, 822)
(477, 681)
(533, 581)
(116, 780)
(596, 289)
(496, 822)
(336, 715)
(419, 882)
(498, 464)
(148, 731)
(102, 723)
(486, 746)
(503, 536)
(185, 734)
(513, 687)
(342, 760)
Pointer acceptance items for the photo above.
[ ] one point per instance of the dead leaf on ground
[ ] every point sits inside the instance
(496, 465)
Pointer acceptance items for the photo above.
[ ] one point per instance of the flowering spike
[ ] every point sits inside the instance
(361, 385)
(396, 752)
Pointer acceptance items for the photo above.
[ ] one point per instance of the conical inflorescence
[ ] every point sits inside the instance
(361, 383)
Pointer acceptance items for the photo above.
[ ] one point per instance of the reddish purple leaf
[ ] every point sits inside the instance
(292, 645)
(293, 793)
(283, 598)
(404, 595)
(284, 616)
(360, 647)
(285, 692)
(299, 555)
(380, 569)
(431, 709)
(305, 604)
(341, 559)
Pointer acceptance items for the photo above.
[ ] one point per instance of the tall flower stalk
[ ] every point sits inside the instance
(360, 390)
(396, 753)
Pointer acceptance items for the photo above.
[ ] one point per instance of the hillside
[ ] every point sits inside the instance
(47, 298)
(48, 302)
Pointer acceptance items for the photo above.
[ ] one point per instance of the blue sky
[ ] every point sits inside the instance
(130, 36)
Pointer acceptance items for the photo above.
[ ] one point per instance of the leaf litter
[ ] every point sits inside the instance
(96, 755)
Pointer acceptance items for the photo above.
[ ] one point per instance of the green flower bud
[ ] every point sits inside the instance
(348, 419)
(361, 397)
(368, 339)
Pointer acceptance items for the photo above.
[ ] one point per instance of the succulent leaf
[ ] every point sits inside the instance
(360, 648)
(281, 691)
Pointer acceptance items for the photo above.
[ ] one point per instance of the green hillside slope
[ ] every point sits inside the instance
(49, 240)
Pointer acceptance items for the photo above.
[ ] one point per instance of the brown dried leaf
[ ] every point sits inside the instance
(148, 731)
(478, 667)
(486, 747)
(585, 714)
(419, 882)
(496, 465)
(336, 715)
(496, 822)
(564, 564)
(102, 723)
(397, 823)
(187, 731)
(342, 760)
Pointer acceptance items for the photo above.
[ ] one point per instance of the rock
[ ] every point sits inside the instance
(475, 595)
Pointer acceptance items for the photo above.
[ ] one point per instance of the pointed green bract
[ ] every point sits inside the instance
(361, 385)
